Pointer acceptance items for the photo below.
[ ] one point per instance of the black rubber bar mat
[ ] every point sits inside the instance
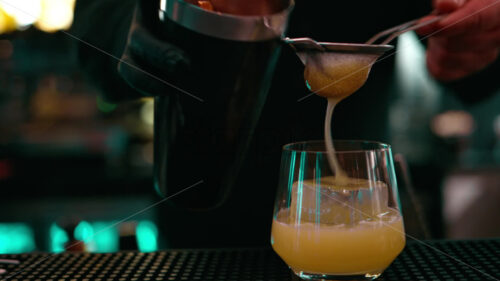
(436, 260)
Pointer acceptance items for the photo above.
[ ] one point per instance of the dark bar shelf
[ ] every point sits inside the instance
(430, 260)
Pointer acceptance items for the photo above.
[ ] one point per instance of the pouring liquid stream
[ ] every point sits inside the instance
(333, 235)
(335, 77)
(340, 174)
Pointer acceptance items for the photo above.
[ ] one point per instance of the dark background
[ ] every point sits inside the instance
(72, 164)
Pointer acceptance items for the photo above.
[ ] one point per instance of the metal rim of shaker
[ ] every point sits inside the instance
(226, 26)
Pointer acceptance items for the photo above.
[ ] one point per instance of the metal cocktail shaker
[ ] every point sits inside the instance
(233, 59)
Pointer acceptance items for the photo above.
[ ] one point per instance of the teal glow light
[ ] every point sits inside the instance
(147, 236)
(99, 237)
(105, 238)
(16, 238)
(58, 238)
(84, 232)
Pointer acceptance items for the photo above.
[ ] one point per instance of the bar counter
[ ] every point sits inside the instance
(428, 260)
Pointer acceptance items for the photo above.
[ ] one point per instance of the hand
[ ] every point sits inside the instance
(151, 65)
(465, 41)
(148, 64)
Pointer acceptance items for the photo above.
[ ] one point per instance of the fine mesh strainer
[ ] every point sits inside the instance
(322, 55)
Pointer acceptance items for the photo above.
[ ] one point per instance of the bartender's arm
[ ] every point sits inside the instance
(129, 30)
(464, 46)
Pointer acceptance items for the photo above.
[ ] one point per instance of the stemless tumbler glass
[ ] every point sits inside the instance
(328, 227)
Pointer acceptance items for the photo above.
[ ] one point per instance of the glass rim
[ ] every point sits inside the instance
(379, 146)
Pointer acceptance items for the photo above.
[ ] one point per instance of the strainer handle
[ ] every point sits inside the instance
(394, 32)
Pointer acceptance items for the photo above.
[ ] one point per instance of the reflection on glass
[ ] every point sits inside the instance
(328, 228)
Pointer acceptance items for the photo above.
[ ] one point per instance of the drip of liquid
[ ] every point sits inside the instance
(336, 76)
(332, 160)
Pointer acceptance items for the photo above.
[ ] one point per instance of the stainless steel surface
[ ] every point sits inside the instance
(225, 26)
(306, 44)
(232, 65)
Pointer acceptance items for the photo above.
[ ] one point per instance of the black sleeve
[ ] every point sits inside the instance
(100, 31)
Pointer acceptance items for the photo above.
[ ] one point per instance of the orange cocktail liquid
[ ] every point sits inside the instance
(365, 247)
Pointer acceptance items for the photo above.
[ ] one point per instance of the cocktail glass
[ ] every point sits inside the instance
(327, 227)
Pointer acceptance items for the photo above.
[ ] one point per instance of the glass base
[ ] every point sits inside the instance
(319, 277)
